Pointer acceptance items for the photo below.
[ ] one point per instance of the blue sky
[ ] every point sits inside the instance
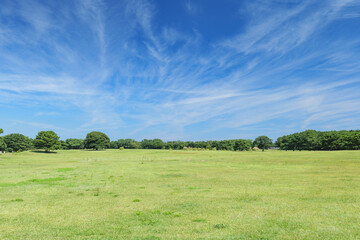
(179, 69)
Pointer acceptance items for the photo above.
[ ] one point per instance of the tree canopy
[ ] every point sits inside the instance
(2, 143)
(152, 144)
(262, 142)
(74, 143)
(316, 140)
(97, 140)
(306, 140)
(47, 140)
(17, 142)
(125, 143)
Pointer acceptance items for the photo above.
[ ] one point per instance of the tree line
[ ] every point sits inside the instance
(49, 141)
(317, 140)
(306, 140)
(232, 145)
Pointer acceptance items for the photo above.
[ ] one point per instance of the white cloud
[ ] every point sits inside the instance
(191, 8)
(157, 75)
(39, 114)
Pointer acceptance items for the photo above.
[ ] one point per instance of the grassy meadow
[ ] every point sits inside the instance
(162, 194)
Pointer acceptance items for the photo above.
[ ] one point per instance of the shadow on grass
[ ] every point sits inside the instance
(87, 150)
(38, 151)
(91, 150)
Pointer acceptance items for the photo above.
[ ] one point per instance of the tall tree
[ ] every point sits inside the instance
(97, 140)
(263, 142)
(47, 140)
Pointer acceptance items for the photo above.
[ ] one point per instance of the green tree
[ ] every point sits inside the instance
(97, 140)
(114, 145)
(74, 143)
(242, 145)
(63, 145)
(311, 140)
(262, 142)
(152, 144)
(47, 140)
(134, 145)
(17, 142)
(2, 143)
(175, 145)
(316, 140)
(127, 143)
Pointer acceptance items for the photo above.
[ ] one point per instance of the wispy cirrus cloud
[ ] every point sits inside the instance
(38, 125)
(126, 70)
(191, 7)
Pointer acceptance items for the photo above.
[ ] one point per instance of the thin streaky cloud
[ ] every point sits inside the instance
(143, 69)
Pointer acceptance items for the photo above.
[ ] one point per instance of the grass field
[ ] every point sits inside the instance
(161, 194)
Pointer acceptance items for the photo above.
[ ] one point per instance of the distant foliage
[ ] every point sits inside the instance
(114, 145)
(17, 142)
(2, 143)
(175, 145)
(63, 145)
(230, 145)
(97, 141)
(262, 142)
(242, 145)
(307, 140)
(316, 140)
(152, 144)
(125, 143)
(47, 140)
(74, 143)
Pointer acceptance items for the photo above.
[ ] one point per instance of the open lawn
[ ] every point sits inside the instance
(162, 194)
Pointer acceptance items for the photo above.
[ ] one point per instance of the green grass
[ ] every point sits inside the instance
(160, 194)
